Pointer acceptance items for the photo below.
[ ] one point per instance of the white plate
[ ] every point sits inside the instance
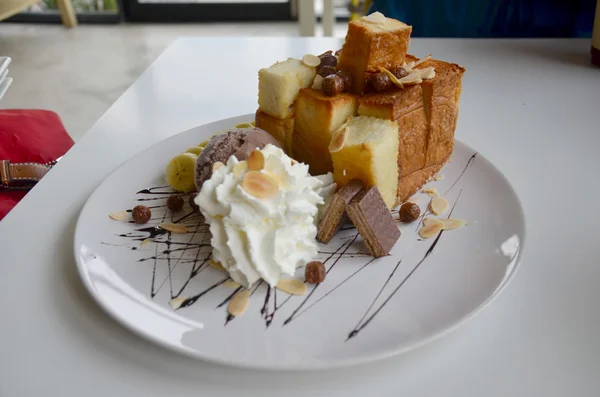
(365, 310)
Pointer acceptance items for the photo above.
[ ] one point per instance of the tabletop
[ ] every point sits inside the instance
(532, 107)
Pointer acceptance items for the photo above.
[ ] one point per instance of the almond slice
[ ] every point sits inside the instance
(176, 303)
(393, 78)
(256, 161)
(376, 18)
(217, 165)
(438, 177)
(292, 286)
(439, 205)
(431, 227)
(260, 185)
(317, 82)
(430, 191)
(425, 73)
(420, 61)
(119, 215)
(145, 242)
(412, 78)
(238, 304)
(174, 228)
(451, 224)
(216, 265)
(311, 60)
(338, 140)
(231, 284)
(240, 168)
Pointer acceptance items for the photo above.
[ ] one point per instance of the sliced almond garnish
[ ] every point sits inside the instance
(430, 191)
(451, 224)
(431, 227)
(176, 303)
(256, 161)
(439, 205)
(174, 228)
(438, 177)
(292, 286)
(145, 242)
(240, 168)
(217, 165)
(376, 18)
(338, 140)
(239, 303)
(216, 265)
(260, 184)
(311, 60)
(230, 284)
(119, 215)
(317, 82)
(425, 73)
(420, 61)
(412, 78)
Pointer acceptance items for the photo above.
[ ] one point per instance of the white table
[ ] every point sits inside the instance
(532, 107)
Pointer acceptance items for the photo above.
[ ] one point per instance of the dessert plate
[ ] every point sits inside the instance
(162, 286)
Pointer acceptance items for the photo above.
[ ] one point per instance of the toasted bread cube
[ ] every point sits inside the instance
(406, 108)
(370, 45)
(441, 97)
(280, 129)
(279, 84)
(317, 117)
(369, 154)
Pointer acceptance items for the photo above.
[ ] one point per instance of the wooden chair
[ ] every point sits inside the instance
(9, 8)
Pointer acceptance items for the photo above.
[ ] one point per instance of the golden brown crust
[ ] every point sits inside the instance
(280, 129)
(410, 184)
(318, 116)
(367, 48)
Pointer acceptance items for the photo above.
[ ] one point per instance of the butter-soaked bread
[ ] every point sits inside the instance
(369, 154)
(280, 129)
(279, 84)
(317, 117)
(426, 115)
(372, 43)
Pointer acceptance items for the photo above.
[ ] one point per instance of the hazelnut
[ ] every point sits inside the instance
(328, 60)
(409, 212)
(399, 72)
(315, 272)
(193, 203)
(338, 52)
(325, 70)
(141, 214)
(332, 85)
(329, 52)
(347, 78)
(175, 203)
(380, 82)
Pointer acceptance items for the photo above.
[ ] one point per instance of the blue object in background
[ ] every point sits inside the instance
(492, 18)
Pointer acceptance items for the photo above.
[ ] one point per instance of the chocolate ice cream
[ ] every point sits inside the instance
(239, 142)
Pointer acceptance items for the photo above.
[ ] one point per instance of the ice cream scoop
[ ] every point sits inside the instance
(239, 142)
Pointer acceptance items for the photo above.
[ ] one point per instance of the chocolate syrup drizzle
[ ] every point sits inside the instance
(170, 253)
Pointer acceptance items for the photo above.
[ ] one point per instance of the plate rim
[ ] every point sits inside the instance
(334, 363)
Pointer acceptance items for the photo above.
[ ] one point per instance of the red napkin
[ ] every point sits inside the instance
(29, 136)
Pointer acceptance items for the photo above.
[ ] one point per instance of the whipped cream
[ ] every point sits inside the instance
(256, 238)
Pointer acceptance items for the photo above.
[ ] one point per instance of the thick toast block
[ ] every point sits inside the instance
(369, 154)
(317, 117)
(369, 46)
(426, 115)
(280, 129)
(279, 84)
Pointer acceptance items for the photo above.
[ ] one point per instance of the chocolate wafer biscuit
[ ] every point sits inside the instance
(335, 215)
(370, 215)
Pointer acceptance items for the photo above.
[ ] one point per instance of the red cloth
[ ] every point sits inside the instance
(29, 136)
